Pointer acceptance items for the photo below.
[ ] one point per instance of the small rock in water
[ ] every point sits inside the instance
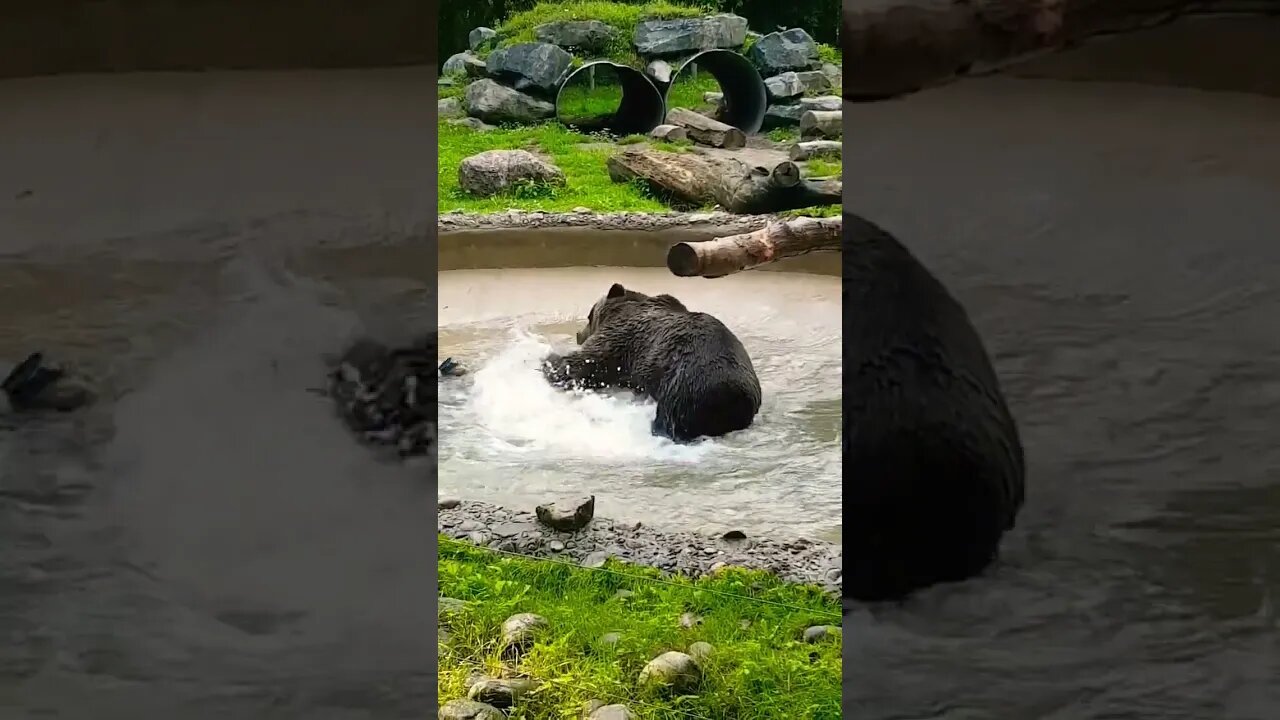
(468, 710)
(674, 671)
(567, 515)
(818, 633)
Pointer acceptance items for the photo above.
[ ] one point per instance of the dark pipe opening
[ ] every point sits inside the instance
(744, 100)
(640, 109)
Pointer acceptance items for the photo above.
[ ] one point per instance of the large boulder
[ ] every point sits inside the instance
(666, 38)
(481, 37)
(449, 108)
(588, 35)
(530, 67)
(454, 65)
(494, 171)
(792, 84)
(496, 103)
(781, 52)
(783, 115)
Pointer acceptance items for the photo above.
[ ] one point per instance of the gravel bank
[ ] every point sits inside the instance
(792, 559)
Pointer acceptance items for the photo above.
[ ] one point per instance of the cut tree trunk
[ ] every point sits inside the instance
(895, 47)
(822, 123)
(703, 129)
(816, 149)
(776, 241)
(695, 179)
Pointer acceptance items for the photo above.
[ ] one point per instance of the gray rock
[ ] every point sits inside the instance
(665, 38)
(779, 52)
(734, 535)
(455, 65)
(500, 693)
(783, 115)
(511, 529)
(589, 35)
(474, 123)
(496, 103)
(450, 108)
(448, 503)
(689, 620)
(822, 102)
(611, 712)
(818, 633)
(701, 652)
(530, 67)
(674, 671)
(555, 546)
(481, 37)
(669, 133)
(447, 607)
(660, 70)
(521, 629)
(624, 594)
(567, 515)
(595, 559)
(474, 66)
(468, 710)
(834, 73)
(610, 639)
(791, 84)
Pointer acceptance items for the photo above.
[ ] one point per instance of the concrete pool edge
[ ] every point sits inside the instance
(798, 560)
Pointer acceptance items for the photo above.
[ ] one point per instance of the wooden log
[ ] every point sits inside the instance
(695, 179)
(669, 133)
(815, 149)
(777, 240)
(703, 129)
(822, 123)
(896, 47)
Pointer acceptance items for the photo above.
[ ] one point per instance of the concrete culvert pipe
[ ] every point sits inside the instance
(744, 99)
(639, 109)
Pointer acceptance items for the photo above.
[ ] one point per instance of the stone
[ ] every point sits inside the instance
(500, 693)
(493, 102)
(674, 671)
(612, 712)
(779, 52)
(660, 71)
(474, 123)
(474, 67)
(690, 620)
(591, 706)
(819, 633)
(450, 108)
(567, 515)
(610, 639)
(834, 73)
(448, 503)
(734, 535)
(624, 594)
(447, 606)
(783, 115)
(670, 133)
(665, 38)
(481, 37)
(588, 35)
(555, 546)
(792, 84)
(468, 710)
(455, 65)
(595, 559)
(510, 529)
(701, 652)
(535, 67)
(825, 103)
(495, 171)
(521, 629)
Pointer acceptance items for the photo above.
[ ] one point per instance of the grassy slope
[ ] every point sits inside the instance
(760, 671)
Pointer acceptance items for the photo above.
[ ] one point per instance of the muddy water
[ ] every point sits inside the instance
(207, 542)
(1116, 245)
(509, 438)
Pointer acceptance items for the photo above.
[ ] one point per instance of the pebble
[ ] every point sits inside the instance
(555, 546)
(499, 693)
(567, 515)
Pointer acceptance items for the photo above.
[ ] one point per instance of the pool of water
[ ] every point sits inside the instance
(506, 436)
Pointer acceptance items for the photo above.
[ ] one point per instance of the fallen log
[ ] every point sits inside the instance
(707, 131)
(735, 253)
(695, 179)
(896, 47)
(816, 149)
(822, 123)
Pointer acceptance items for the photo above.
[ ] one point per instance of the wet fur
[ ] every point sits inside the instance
(933, 461)
(693, 366)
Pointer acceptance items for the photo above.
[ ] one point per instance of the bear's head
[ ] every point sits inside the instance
(621, 300)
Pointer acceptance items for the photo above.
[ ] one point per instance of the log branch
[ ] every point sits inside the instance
(896, 47)
(816, 149)
(703, 129)
(776, 241)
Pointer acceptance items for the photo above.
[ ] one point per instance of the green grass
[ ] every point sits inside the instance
(760, 668)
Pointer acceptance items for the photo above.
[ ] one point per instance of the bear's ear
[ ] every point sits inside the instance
(616, 291)
(671, 302)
